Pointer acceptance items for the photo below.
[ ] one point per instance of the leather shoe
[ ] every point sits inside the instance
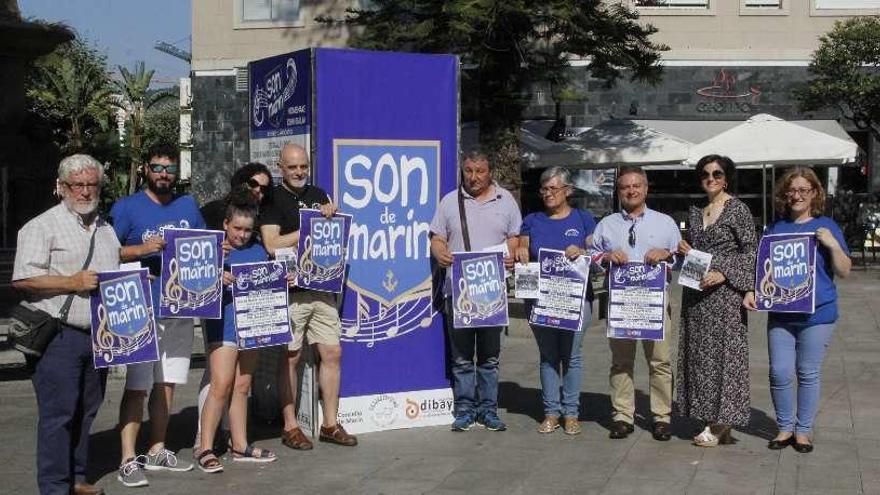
(780, 444)
(803, 448)
(620, 429)
(337, 434)
(661, 432)
(296, 439)
(87, 489)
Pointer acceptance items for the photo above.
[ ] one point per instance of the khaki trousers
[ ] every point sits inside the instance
(623, 355)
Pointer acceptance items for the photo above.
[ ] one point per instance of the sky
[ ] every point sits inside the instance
(125, 30)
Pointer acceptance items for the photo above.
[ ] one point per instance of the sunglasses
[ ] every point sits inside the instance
(254, 184)
(632, 235)
(716, 174)
(170, 169)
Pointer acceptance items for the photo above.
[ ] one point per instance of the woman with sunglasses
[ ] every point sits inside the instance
(797, 341)
(713, 350)
(564, 228)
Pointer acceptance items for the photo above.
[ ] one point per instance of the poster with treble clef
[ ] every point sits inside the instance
(322, 250)
(123, 324)
(479, 291)
(785, 278)
(259, 298)
(192, 274)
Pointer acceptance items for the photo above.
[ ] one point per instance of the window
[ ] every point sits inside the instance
(763, 4)
(266, 13)
(674, 7)
(844, 7)
(673, 4)
(763, 7)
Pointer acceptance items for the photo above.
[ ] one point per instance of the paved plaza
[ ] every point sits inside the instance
(520, 461)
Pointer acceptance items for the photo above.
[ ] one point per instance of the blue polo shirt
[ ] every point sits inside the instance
(826, 291)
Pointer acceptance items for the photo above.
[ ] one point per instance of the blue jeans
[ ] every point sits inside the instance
(69, 392)
(561, 349)
(475, 387)
(799, 350)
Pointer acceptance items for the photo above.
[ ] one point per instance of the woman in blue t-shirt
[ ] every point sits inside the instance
(231, 369)
(797, 341)
(563, 228)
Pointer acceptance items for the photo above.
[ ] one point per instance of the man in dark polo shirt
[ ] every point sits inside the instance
(313, 314)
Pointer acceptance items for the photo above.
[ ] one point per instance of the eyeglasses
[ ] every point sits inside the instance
(170, 169)
(632, 235)
(82, 186)
(552, 190)
(716, 174)
(801, 191)
(255, 184)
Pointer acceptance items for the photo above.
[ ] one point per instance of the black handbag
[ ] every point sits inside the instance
(32, 329)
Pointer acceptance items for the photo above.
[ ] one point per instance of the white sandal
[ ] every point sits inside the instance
(706, 439)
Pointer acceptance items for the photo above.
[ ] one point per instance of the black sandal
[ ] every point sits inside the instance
(208, 462)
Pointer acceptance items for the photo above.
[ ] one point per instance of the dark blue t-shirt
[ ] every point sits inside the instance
(252, 253)
(558, 233)
(137, 217)
(826, 292)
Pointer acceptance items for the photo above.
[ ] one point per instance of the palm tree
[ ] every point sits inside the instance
(136, 98)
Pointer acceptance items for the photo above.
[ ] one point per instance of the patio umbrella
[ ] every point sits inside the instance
(621, 142)
(537, 151)
(768, 140)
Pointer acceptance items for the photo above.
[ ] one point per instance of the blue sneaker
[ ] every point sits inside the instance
(463, 422)
(491, 421)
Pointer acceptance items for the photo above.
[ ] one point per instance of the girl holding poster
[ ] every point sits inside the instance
(231, 370)
(713, 348)
(797, 341)
(563, 228)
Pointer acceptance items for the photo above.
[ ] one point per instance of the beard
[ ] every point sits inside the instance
(160, 189)
(81, 207)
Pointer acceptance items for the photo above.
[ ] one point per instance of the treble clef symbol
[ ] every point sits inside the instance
(104, 338)
(173, 290)
(767, 287)
(463, 304)
(306, 265)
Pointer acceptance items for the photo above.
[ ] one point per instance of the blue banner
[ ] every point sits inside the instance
(321, 252)
(637, 301)
(785, 279)
(562, 291)
(192, 274)
(123, 324)
(386, 145)
(479, 291)
(259, 296)
(280, 103)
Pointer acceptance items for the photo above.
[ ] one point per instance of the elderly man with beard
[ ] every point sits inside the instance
(139, 221)
(56, 262)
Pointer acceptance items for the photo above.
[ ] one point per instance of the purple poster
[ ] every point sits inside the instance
(386, 147)
(785, 278)
(192, 274)
(479, 291)
(322, 250)
(562, 291)
(259, 297)
(123, 326)
(637, 301)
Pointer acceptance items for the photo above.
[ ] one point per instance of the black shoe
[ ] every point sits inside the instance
(620, 429)
(661, 432)
(780, 444)
(803, 448)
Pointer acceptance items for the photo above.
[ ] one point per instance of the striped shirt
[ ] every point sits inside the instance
(57, 243)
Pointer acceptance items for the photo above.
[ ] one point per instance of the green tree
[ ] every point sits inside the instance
(70, 90)
(136, 99)
(845, 73)
(162, 122)
(507, 46)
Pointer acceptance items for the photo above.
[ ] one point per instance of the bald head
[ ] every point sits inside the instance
(294, 165)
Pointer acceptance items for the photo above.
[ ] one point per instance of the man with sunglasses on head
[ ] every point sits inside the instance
(140, 221)
(637, 233)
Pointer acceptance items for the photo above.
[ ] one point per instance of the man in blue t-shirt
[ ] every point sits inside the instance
(139, 221)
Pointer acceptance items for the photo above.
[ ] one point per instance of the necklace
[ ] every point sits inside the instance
(712, 205)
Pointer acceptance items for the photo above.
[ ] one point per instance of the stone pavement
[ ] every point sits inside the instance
(519, 461)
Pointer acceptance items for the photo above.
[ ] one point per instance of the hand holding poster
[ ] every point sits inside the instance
(123, 326)
(636, 301)
(785, 281)
(322, 250)
(192, 274)
(259, 296)
(479, 292)
(562, 287)
(694, 268)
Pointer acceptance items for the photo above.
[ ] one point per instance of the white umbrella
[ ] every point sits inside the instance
(537, 152)
(621, 142)
(768, 140)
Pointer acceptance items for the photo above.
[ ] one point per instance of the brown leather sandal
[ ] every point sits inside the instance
(296, 439)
